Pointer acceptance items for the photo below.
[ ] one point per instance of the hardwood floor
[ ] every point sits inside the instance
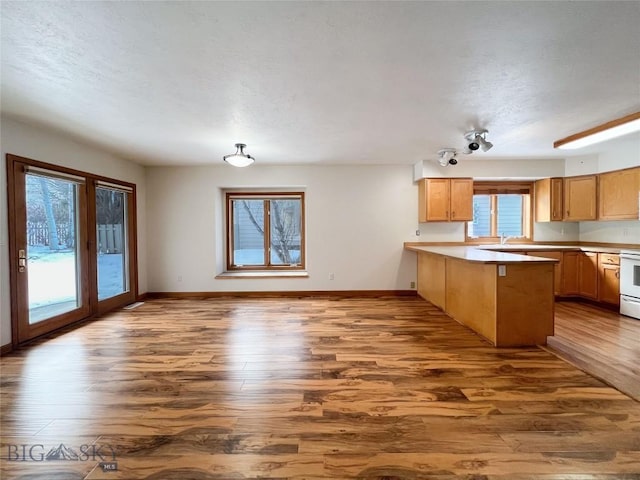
(601, 342)
(308, 388)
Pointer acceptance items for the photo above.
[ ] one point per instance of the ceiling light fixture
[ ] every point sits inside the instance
(239, 159)
(477, 139)
(447, 157)
(606, 131)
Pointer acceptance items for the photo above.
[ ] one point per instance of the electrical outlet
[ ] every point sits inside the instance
(331, 276)
(179, 278)
(417, 233)
(413, 285)
(625, 232)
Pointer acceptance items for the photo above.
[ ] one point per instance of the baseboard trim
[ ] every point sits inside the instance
(594, 303)
(285, 294)
(5, 349)
(142, 297)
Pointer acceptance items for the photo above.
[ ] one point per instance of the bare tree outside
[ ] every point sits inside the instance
(285, 230)
(284, 234)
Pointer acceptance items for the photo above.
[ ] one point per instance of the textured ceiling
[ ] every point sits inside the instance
(319, 82)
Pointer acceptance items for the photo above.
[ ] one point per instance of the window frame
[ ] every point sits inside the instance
(266, 196)
(496, 188)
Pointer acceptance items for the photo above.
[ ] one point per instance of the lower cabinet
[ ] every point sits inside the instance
(588, 275)
(570, 273)
(609, 278)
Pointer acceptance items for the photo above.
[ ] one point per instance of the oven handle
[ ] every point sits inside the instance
(629, 300)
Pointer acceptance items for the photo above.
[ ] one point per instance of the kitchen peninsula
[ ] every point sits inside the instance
(506, 298)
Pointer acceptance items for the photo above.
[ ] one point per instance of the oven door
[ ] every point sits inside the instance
(630, 275)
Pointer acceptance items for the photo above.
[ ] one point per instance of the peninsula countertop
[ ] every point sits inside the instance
(475, 254)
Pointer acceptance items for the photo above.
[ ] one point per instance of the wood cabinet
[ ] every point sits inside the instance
(588, 275)
(570, 273)
(619, 195)
(557, 268)
(580, 198)
(445, 200)
(548, 199)
(609, 278)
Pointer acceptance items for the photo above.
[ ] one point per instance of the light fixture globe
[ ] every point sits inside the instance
(239, 159)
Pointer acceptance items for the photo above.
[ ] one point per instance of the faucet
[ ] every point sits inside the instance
(504, 238)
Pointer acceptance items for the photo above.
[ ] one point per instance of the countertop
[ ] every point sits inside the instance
(496, 253)
(556, 248)
(475, 254)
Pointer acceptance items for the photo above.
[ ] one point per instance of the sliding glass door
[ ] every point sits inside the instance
(53, 258)
(112, 235)
(71, 238)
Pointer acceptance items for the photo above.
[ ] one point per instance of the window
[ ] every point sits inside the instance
(500, 209)
(265, 231)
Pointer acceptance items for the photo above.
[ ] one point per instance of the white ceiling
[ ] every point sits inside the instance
(319, 82)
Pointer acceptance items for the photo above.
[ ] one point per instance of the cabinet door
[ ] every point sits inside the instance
(461, 199)
(557, 188)
(619, 195)
(588, 267)
(609, 284)
(570, 284)
(434, 200)
(548, 196)
(580, 198)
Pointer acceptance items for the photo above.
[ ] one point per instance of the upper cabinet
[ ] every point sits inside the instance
(445, 200)
(619, 195)
(580, 198)
(548, 195)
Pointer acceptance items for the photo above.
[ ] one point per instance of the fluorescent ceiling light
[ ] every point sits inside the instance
(601, 133)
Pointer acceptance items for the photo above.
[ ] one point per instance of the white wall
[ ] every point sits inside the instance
(47, 146)
(357, 218)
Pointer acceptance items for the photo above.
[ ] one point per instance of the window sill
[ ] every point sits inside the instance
(263, 274)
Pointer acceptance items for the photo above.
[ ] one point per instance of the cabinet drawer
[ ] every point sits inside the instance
(609, 259)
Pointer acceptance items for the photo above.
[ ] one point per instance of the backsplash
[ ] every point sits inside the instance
(441, 232)
(611, 232)
(556, 232)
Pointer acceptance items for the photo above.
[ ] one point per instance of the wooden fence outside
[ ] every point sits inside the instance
(109, 236)
(38, 234)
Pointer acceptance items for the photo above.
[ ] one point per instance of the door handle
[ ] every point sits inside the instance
(22, 261)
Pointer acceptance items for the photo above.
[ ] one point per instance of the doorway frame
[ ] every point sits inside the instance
(88, 271)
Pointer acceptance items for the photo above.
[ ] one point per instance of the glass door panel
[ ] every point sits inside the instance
(59, 273)
(52, 257)
(111, 236)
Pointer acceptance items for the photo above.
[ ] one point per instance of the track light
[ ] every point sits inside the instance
(447, 157)
(476, 140)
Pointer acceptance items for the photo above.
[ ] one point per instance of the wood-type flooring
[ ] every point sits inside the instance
(600, 342)
(304, 388)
